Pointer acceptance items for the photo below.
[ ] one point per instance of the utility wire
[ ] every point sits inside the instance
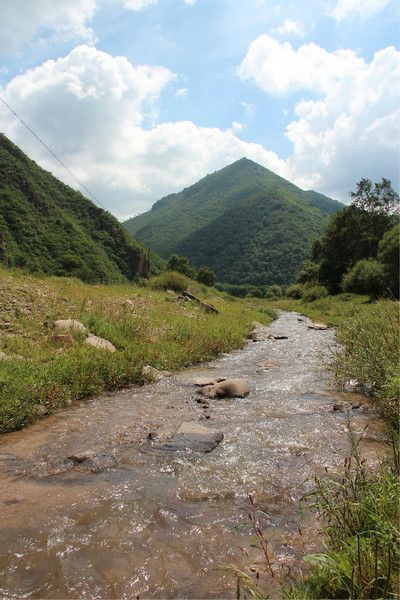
(52, 153)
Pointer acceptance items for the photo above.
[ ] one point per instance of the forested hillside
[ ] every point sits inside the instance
(47, 227)
(246, 223)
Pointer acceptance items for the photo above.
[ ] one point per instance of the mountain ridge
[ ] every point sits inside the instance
(232, 203)
(46, 226)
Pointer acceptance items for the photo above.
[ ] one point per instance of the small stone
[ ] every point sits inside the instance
(272, 336)
(351, 386)
(70, 325)
(152, 374)
(356, 405)
(318, 326)
(99, 343)
(337, 407)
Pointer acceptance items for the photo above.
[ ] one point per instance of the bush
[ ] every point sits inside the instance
(388, 255)
(274, 291)
(295, 291)
(206, 276)
(309, 272)
(170, 280)
(314, 292)
(366, 277)
(180, 264)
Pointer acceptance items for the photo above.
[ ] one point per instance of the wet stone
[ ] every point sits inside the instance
(193, 436)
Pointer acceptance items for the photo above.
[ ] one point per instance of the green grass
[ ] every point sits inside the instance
(147, 326)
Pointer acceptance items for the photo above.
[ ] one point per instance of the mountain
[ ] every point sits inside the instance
(245, 222)
(47, 227)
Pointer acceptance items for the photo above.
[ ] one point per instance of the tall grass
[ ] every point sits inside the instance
(147, 326)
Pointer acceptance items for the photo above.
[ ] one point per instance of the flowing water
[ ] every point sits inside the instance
(134, 521)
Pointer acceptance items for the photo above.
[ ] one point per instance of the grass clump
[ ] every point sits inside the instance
(171, 280)
(38, 375)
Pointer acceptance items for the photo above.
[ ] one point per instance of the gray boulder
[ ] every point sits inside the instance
(195, 437)
(100, 343)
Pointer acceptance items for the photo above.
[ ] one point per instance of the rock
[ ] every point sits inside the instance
(70, 325)
(253, 335)
(318, 326)
(152, 374)
(229, 388)
(63, 339)
(272, 336)
(356, 406)
(81, 456)
(351, 386)
(195, 437)
(100, 343)
(204, 306)
(202, 381)
(300, 319)
(337, 407)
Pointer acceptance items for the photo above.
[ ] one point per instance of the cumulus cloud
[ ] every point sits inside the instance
(278, 68)
(182, 92)
(345, 9)
(142, 4)
(23, 21)
(289, 27)
(91, 108)
(138, 4)
(351, 129)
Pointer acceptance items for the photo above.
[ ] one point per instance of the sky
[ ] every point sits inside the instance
(141, 98)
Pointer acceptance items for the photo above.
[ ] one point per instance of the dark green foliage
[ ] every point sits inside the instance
(313, 292)
(247, 224)
(47, 227)
(274, 291)
(366, 277)
(295, 291)
(388, 255)
(206, 276)
(180, 264)
(379, 198)
(241, 291)
(309, 272)
(351, 235)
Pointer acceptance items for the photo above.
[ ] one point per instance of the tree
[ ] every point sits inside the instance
(366, 277)
(206, 276)
(180, 264)
(388, 255)
(378, 197)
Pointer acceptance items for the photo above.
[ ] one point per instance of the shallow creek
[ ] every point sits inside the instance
(159, 525)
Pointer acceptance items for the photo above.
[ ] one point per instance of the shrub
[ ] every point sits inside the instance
(314, 292)
(274, 291)
(295, 291)
(366, 277)
(170, 280)
(206, 276)
(388, 255)
(309, 272)
(180, 264)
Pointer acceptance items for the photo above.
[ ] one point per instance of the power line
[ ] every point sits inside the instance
(52, 153)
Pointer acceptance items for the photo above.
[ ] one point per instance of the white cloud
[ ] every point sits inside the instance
(345, 9)
(351, 129)
(142, 4)
(91, 108)
(236, 126)
(24, 20)
(138, 4)
(289, 27)
(278, 68)
(182, 92)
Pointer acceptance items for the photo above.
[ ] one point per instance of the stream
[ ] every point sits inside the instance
(136, 521)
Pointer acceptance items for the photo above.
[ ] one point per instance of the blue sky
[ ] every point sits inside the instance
(143, 97)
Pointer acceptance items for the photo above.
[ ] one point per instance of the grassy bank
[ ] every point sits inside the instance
(359, 516)
(39, 375)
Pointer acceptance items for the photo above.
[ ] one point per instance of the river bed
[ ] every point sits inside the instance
(138, 522)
